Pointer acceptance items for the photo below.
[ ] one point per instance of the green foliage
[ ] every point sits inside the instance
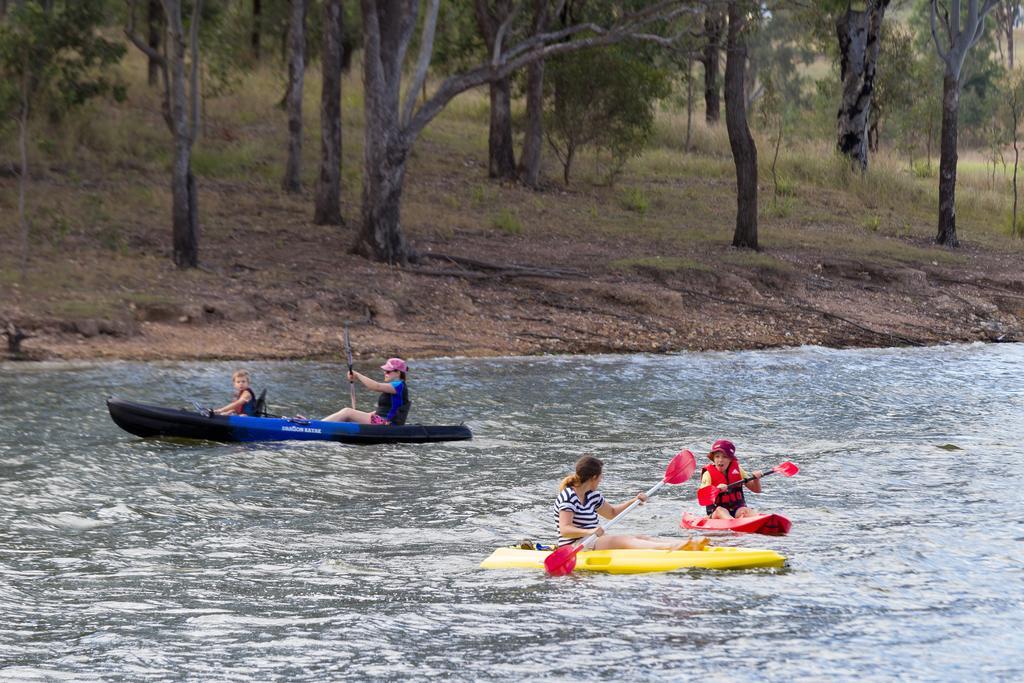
(634, 199)
(506, 221)
(779, 206)
(1015, 224)
(603, 98)
(55, 58)
(925, 169)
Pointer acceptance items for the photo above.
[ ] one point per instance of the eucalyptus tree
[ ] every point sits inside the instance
(533, 135)
(602, 98)
(494, 18)
(1015, 113)
(860, 38)
(51, 60)
(328, 190)
(154, 35)
(393, 122)
(292, 182)
(181, 113)
(1007, 14)
(714, 29)
(744, 151)
(959, 32)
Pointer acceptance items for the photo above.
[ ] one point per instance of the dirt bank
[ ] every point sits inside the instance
(541, 295)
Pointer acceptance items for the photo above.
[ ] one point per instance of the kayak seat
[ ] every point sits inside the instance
(261, 404)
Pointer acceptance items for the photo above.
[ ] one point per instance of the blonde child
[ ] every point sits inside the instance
(244, 402)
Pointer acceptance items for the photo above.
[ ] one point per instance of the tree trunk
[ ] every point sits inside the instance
(689, 100)
(257, 27)
(533, 141)
(292, 181)
(744, 152)
(859, 34)
(501, 158)
(184, 199)
(23, 174)
(385, 147)
(1009, 46)
(155, 24)
(491, 15)
(947, 162)
(713, 25)
(570, 153)
(328, 191)
(380, 236)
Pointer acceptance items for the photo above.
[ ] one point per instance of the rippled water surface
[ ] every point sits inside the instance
(123, 558)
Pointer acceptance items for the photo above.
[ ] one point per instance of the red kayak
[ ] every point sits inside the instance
(770, 525)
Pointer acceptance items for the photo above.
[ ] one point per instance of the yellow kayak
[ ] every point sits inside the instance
(638, 561)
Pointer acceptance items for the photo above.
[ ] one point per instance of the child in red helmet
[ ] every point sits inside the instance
(724, 470)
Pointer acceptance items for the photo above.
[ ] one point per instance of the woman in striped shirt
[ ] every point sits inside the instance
(579, 503)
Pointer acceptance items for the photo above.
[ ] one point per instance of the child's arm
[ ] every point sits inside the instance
(754, 484)
(232, 408)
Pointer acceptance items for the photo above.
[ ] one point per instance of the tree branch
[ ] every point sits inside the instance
(935, 33)
(129, 32)
(423, 62)
(538, 47)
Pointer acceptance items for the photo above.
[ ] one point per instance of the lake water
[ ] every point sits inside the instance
(123, 558)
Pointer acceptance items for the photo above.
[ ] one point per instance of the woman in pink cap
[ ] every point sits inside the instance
(393, 404)
(724, 470)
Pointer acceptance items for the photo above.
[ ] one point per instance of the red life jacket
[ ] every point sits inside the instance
(732, 500)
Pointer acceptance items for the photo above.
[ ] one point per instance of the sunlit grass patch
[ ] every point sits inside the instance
(237, 160)
(634, 199)
(506, 221)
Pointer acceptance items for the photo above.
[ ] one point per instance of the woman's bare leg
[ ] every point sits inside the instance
(348, 415)
(637, 543)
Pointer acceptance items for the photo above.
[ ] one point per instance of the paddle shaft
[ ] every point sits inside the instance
(351, 383)
(592, 538)
(741, 482)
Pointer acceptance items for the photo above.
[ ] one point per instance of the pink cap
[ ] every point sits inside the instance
(394, 364)
(723, 445)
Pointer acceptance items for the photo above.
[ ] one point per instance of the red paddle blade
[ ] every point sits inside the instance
(707, 495)
(787, 468)
(681, 468)
(562, 561)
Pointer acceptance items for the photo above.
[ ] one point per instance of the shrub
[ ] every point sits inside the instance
(505, 221)
(634, 199)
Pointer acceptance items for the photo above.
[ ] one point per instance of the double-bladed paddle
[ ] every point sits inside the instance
(348, 355)
(707, 495)
(563, 560)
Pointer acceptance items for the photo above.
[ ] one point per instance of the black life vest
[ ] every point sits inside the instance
(249, 407)
(732, 500)
(394, 407)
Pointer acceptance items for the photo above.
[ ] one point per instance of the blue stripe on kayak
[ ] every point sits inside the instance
(275, 429)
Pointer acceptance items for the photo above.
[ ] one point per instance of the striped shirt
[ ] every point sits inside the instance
(584, 515)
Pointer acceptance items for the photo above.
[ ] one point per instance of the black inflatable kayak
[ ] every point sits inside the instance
(147, 420)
